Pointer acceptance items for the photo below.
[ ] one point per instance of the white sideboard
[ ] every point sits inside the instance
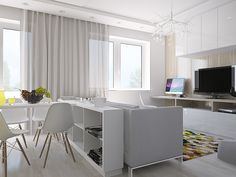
(111, 120)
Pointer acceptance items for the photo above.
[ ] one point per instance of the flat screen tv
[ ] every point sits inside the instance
(218, 80)
(175, 86)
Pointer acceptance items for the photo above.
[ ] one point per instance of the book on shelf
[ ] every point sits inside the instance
(95, 131)
(96, 155)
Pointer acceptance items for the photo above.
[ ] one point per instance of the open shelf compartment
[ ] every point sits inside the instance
(78, 115)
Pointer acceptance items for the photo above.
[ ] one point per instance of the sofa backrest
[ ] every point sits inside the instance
(152, 135)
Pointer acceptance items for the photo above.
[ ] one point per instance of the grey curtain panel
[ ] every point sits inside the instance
(67, 56)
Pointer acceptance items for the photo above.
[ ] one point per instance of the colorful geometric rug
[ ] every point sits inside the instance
(198, 145)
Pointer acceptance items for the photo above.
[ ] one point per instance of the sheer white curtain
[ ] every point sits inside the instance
(67, 56)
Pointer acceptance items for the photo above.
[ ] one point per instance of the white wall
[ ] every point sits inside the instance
(157, 61)
(157, 69)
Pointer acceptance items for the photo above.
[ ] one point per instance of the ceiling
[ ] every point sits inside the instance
(133, 14)
(148, 10)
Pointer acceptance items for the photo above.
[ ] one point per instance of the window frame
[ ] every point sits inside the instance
(11, 25)
(113, 76)
(145, 62)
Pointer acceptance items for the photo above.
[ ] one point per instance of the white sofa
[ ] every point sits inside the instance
(152, 135)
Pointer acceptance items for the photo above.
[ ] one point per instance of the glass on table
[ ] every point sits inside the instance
(11, 100)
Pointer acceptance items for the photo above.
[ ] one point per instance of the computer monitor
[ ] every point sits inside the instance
(175, 86)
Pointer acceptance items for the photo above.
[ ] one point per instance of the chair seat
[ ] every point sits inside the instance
(17, 120)
(38, 119)
(19, 132)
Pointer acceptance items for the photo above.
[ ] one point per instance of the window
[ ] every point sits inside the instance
(129, 64)
(10, 58)
(111, 65)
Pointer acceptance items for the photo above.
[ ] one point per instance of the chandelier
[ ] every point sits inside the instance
(169, 26)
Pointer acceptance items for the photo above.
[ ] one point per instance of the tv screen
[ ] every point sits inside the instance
(175, 86)
(214, 80)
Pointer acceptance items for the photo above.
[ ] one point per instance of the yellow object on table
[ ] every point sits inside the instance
(11, 100)
(2, 98)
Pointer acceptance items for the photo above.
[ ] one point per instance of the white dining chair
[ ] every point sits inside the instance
(16, 116)
(59, 120)
(142, 104)
(39, 116)
(5, 134)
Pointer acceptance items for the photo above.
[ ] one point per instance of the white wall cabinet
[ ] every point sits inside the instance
(227, 24)
(212, 30)
(209, 30)
(181, 44)
(194, 40)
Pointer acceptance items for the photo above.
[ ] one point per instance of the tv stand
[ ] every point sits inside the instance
(212, 104)
(215, 96)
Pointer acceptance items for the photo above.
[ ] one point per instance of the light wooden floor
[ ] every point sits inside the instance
(61, 165)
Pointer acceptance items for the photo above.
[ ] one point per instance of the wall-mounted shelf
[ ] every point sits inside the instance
(111, 122)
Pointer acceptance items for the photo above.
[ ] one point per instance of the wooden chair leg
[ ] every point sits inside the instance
(45, 161)
(39, 132)
(36, 133)
(1, 144)
(3, 152)
(64, 142)
(23, 136)
(67, 140)
(22, 150)
(45, 142)
(57, 137)
(5, 158)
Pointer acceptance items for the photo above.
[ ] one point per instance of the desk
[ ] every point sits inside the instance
(29, 107)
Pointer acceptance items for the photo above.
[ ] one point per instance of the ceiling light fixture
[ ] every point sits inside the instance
(168, 26)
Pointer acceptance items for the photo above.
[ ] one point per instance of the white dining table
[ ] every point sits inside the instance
(29, 108)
